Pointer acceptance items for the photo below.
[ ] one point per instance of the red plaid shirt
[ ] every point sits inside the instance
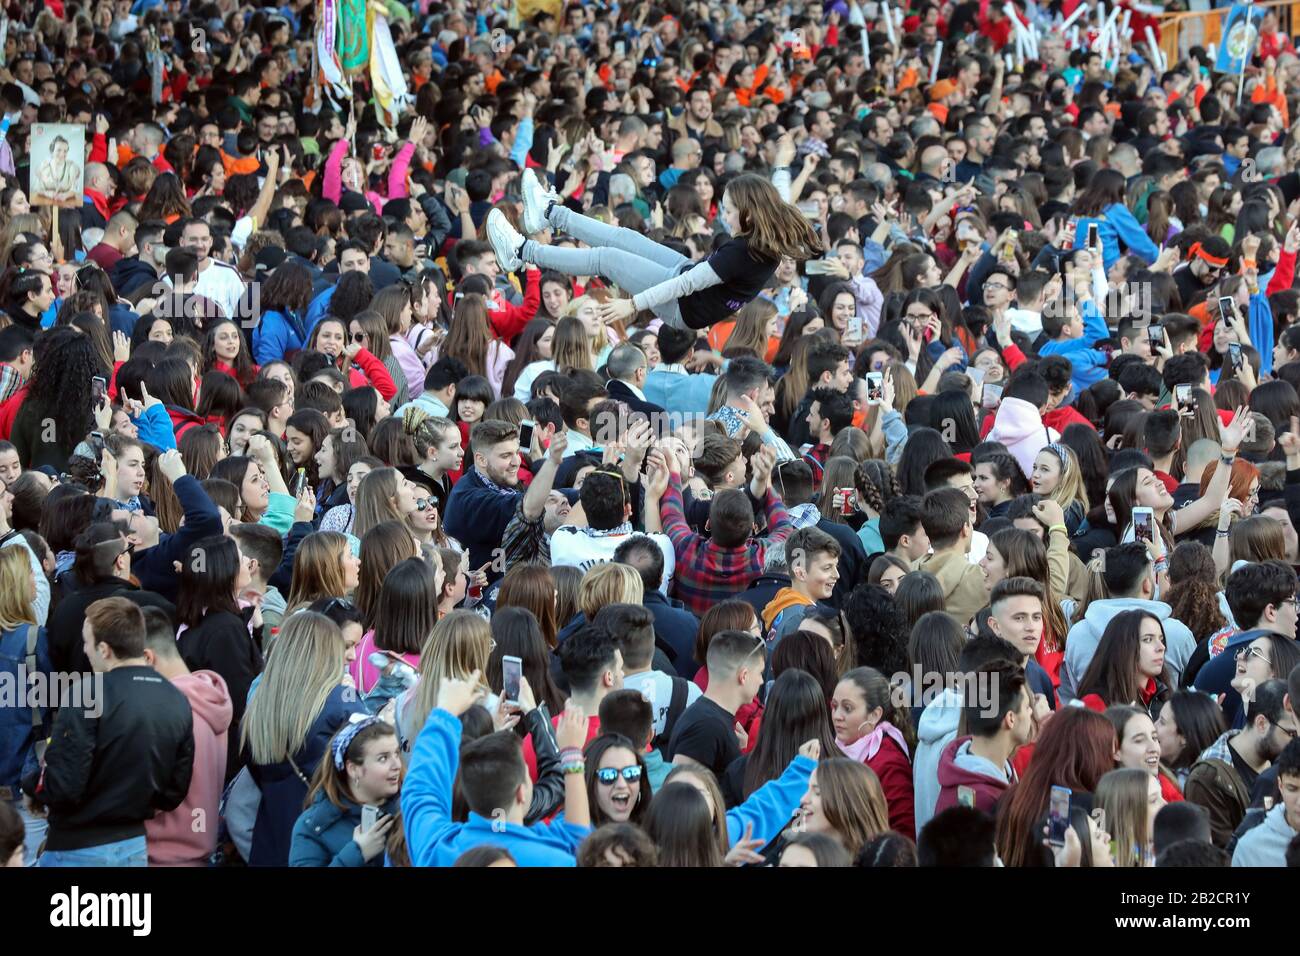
(706, 572)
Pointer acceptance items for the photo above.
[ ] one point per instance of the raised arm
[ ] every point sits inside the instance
(1230, 437)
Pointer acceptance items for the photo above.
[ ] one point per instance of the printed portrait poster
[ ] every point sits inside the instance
(58, 168)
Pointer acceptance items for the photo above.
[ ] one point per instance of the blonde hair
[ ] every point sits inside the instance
(460, 644)
(1071, 487)
(317, 569)
(300, 675)
(1123, 795)
(15, 585)
(609, 583)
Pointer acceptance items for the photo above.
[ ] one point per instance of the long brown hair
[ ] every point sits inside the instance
(469, 337)
(571, 348)
(317, 569)
(530, 586)
(772, 226)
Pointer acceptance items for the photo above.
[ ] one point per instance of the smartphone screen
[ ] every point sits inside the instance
(1227, 307)
(991, 395)
(1058, 813)
(525, 435)
(98, 391)
(512, 670)
(1143, 525)
(1183, 397)
(1234, 354)
(369, 817)
(1156, 333)
(875, 388)
(966, 796)
(1092, 235)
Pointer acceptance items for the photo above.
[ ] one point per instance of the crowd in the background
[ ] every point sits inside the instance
(669, 434)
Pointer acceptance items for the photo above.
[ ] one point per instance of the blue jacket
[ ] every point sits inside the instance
(1089, 363)
(1215, 677)
(433, 838)
(1259, 321)
(1114, 226)
(317, 309)
(16, 732)
(323, 834)
(676, 628)
(279, 333)
(283, 793)
(771, 806)
(477, 515)
(154, 567)
(155, 427)
(681, 393)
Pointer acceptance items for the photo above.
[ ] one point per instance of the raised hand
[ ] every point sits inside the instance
(1233, 434)
(171, 465)
(572, 728)
(457, 696)
(745, 850)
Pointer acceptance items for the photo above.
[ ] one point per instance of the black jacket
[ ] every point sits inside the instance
(107, 774)
(620, 390)
(675, 631)
(852, 563)
(761, 590)
(221, 643)
(155, 567)
(66, 653)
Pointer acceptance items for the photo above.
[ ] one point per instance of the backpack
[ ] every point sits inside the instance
(676, 706)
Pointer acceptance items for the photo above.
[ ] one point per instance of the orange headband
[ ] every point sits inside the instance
(1196, 250)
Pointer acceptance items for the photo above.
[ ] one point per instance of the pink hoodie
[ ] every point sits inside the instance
(187, 835)
(1019, 426)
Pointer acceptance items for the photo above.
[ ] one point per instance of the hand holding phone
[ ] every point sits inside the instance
(1144, 529)
(1058, 814)
(512, 670)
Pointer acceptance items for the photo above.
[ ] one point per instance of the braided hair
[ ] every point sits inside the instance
(876, 483)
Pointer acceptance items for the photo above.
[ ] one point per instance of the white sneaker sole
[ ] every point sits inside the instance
(505, 241)
(536, 199)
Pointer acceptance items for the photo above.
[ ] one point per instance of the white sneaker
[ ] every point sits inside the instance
(536, 199)
(506, 241)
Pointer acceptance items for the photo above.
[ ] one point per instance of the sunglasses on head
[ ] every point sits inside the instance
(609, 775)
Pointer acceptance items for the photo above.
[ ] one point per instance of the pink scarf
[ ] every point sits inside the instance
(864, 748)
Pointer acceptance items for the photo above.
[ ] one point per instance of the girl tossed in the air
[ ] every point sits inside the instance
(763, 228)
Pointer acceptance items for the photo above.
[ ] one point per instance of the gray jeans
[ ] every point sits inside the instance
(632, 261)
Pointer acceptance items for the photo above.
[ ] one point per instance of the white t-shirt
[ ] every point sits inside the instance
(657, 687)
(577, 548)
(223, 285)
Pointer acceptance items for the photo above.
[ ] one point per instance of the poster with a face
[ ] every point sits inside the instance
(58, 171)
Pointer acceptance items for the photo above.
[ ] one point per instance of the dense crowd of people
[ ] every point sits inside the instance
(658, 434)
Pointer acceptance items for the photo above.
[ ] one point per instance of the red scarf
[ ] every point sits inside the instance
(100, 201)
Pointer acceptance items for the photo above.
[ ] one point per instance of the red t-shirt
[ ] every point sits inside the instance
(530, 755)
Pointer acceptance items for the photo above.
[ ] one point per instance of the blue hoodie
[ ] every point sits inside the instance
(770, 807)
(433, 838)
(1115, 225)
(937, 729)
(1266, 844)
(1082, 641)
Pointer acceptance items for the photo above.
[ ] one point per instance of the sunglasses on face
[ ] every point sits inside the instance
(361, 336)
(423, 504)
(609, 775)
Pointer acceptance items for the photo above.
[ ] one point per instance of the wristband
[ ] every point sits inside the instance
(1058, 527)
(579, 767)
(1247, 263)
(1220, 533)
